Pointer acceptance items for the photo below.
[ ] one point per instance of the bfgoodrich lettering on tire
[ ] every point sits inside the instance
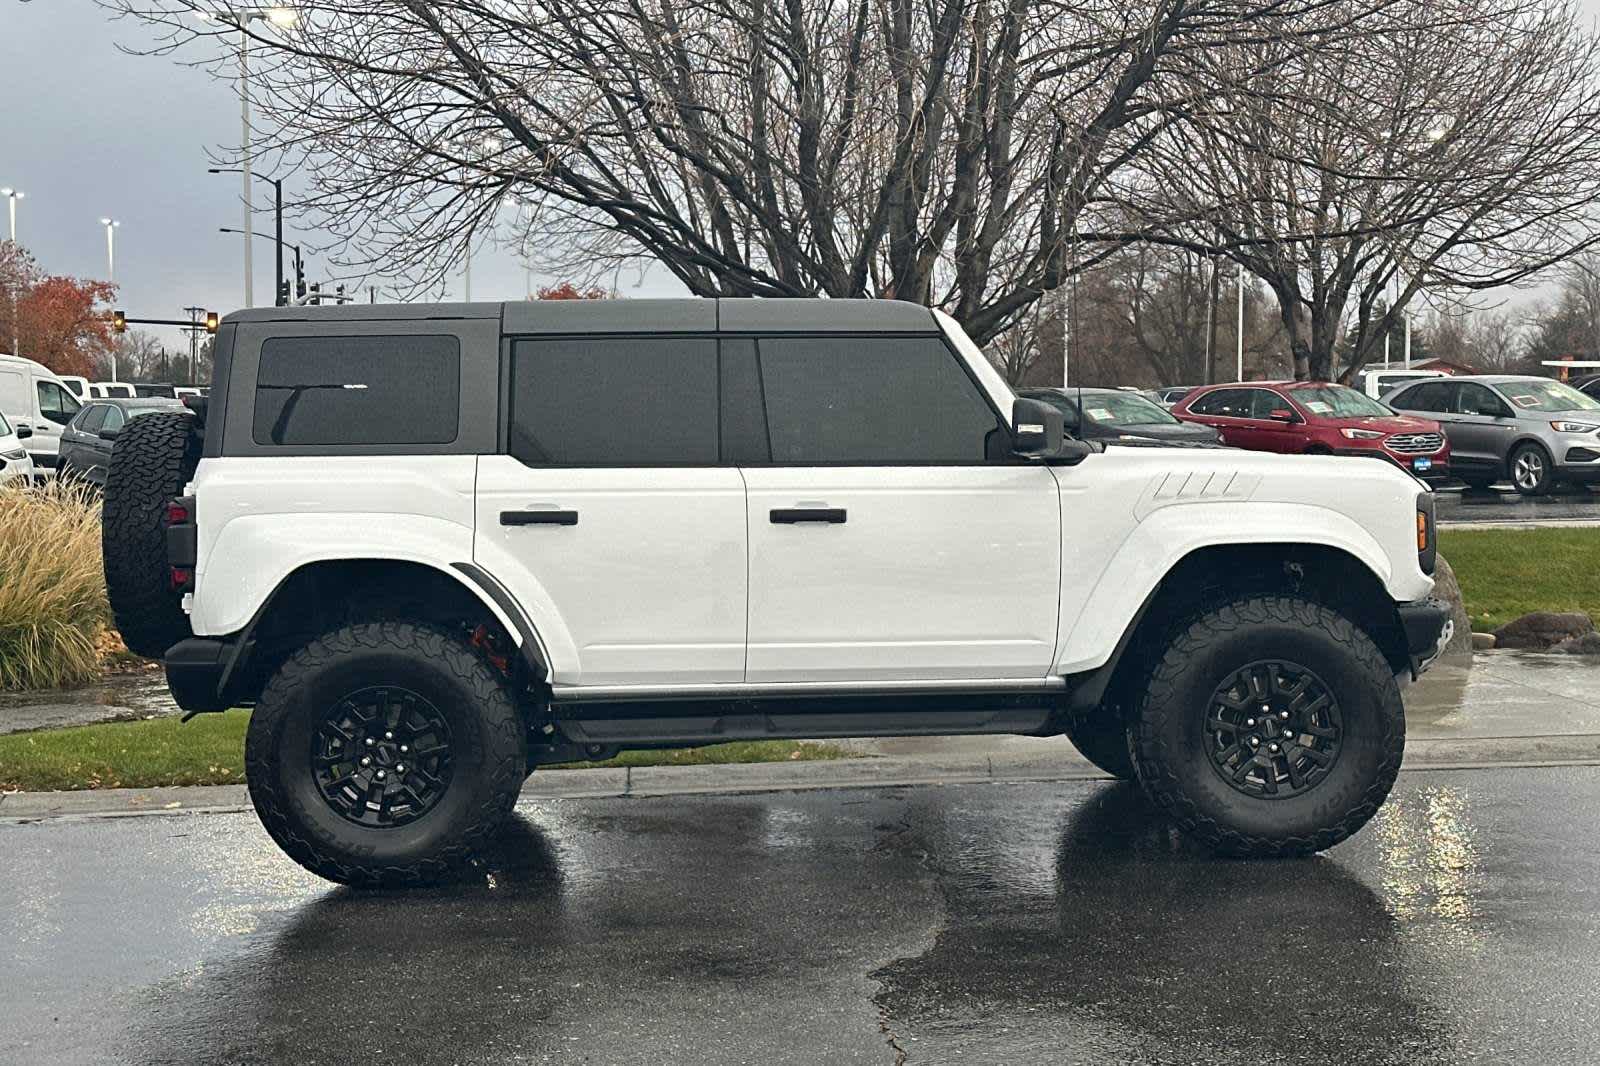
(384, 753)
(1271, 726)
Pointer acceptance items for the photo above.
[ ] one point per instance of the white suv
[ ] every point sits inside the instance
(435, 547)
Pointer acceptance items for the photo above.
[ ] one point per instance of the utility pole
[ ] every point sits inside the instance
(194, 338)
(1239, 373)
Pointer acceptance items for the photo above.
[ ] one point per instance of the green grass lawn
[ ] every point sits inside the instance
(209, 750)
(1506, 573)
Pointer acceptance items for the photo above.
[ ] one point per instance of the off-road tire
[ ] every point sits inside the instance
(488, 753)
(1170, 740)
(1103, 740)
(154, 458)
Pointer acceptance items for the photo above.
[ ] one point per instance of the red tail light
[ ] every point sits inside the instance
(182, 578)
(178, 513)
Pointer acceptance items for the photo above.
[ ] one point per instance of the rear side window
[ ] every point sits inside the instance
(1225, 403)
(872, 400)
(358, 390)
(1429, 396)
(614, 401)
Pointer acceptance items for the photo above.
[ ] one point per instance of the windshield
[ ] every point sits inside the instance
(1336, 401)
(1125, 409)
(1539, 394)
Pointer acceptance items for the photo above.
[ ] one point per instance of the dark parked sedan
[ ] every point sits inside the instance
(1120, 417)
(86, 440)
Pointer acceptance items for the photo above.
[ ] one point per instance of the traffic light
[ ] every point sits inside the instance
(283, 293)
(211, 321)
(119, 321)
(299, 280)
(339, 295)
(316, 294)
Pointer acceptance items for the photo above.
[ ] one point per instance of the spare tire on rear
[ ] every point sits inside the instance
(154, 458)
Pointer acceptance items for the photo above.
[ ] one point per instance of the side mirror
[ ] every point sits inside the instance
(109, 434)
(24, 432)
(1283, 414)
(1036, 428)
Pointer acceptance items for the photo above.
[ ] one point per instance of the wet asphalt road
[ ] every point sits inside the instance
(992, 924)
(1568, 504)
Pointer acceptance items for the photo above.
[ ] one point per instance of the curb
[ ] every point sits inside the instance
(746, 778)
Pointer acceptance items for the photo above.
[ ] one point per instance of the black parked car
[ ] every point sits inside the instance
(1117, 416)
(1589, 386)
(86, 440)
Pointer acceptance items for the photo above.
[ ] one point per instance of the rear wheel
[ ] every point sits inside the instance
(1531, 470)
(1103, 740)
(384, 753)
(1270, 726)
(154, 458)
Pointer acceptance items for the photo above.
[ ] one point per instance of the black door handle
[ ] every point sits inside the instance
(790, 516)
(538, 518)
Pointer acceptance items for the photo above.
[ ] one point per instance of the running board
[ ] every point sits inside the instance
(899, 714)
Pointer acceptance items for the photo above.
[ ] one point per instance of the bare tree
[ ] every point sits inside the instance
(1453, 152)
(944, 152)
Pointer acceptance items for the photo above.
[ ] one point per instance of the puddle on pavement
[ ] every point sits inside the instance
(121, 696)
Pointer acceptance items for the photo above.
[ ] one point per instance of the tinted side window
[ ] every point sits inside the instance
(358, 390)
(93, 418)
(1429, 396)
(1225, 403)
(872, 400)
(615, 401)
(114, 418)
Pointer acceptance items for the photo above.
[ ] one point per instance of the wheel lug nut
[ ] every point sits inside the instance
(1284, 715)
(388, 736)
(1250, 721)
(404, 749)
(370, 742)
(1255, 742)
(400, 769)
(382, 775)
(366, 760)
(1273, 748)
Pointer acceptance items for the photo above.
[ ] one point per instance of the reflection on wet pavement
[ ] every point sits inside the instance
(117, 697)
(1575, 503)
(1020, 923)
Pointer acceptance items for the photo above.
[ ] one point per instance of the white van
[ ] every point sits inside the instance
(78, 386)
(105, 390)
(34, 398)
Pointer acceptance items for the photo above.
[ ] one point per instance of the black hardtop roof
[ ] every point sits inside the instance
(633, 316)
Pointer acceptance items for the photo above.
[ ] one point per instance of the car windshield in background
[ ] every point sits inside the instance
(1537, 394)
(1336, 401)
(1125, 409)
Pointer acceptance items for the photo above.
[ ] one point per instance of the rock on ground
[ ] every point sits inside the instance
(1542, 630)
(1448, 589)
(1588, 644)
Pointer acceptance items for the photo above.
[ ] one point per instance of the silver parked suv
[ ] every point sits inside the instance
(1534, 431)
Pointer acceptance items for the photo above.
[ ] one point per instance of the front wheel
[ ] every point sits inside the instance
(1530, 471)
(384, 753)
(1271, 726)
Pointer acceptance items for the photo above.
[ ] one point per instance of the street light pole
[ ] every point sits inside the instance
(111, 225)
(1239, 374)
(244, 123)
(277, 218)
(13, 195)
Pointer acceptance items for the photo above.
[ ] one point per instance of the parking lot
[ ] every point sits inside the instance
(984, 923)
(1574, 504)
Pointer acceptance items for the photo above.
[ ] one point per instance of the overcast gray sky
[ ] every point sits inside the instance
(87, 131)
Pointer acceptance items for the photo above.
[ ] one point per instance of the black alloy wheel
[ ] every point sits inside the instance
(381, 756)
(1274, 729)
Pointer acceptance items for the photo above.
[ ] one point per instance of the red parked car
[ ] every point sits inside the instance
(1316, 418)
